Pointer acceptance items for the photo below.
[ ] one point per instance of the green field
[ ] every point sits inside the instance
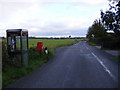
(0, 40)
(11, 72)
(52, 43)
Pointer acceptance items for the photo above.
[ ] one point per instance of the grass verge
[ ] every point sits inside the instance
(36, 59)
(92, 44)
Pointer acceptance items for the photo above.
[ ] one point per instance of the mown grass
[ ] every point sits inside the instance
(36, 59)
(52, 43)
(92, 44)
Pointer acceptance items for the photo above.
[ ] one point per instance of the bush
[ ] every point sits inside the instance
(5, 56)
(96, 40)
(113, 43)
(107, 42)
(8, 60)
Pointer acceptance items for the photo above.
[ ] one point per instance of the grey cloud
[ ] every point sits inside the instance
(7, 9)
(79, 32)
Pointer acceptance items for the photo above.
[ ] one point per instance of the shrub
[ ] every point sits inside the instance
(5, 56)
(111, 43)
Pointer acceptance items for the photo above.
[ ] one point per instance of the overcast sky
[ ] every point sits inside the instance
(50, 17)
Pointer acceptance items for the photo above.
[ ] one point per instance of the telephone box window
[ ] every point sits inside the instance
(17, 44)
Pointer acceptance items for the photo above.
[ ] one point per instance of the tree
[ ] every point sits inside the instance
(111, 18)
(97, 30)
(69, 36)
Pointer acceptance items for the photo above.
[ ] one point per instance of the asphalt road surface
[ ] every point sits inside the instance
(76, 66)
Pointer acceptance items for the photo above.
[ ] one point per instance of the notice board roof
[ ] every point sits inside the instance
(16, 30)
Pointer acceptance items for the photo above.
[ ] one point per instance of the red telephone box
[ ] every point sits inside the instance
(40, 46)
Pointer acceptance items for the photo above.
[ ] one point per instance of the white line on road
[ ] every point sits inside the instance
(106, 69)
(87, 48)
(103, 65)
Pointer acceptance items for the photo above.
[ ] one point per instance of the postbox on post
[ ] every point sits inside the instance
(40, 46)
(17, 44)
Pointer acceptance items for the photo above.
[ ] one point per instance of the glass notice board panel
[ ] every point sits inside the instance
(24, 42)
(18, 44)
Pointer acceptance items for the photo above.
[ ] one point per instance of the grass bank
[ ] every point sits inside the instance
(36, 59)
(52, 43)
(92, 44)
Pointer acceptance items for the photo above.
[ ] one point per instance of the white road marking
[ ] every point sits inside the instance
(87, 48)
(103, 65)
(105, 68)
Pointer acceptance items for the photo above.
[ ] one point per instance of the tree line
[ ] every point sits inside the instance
(99, 33)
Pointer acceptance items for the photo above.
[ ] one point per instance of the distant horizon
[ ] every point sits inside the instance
(56, 36)
(52, 36)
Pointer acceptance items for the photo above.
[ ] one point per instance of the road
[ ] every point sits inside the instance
(76, 66)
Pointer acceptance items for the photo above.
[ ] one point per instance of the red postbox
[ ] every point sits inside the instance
(40, 46)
